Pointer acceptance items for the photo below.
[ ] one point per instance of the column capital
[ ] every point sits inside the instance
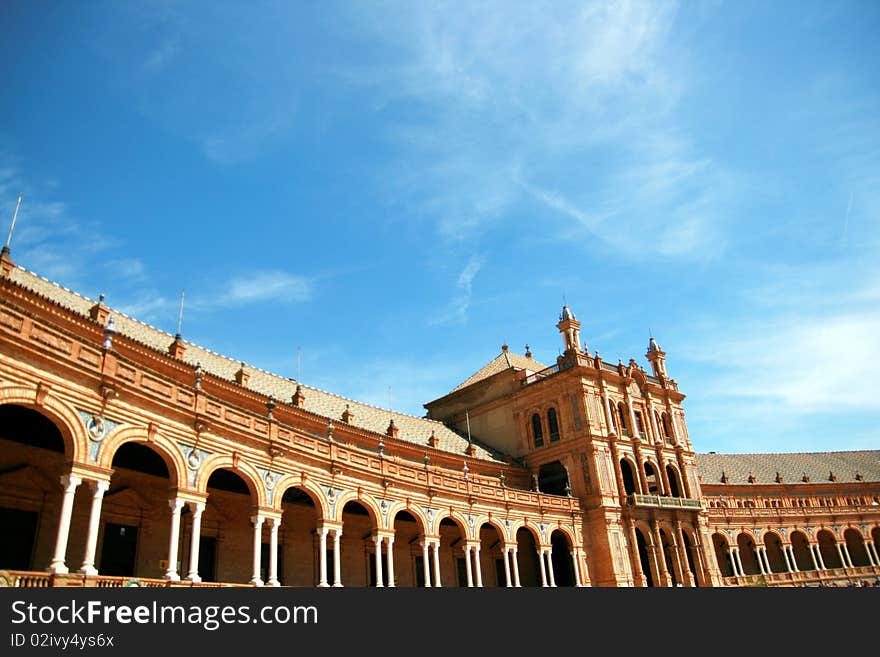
(273, 522)
(196, 507)
(328, 526)
(70, 481)
(257, 519)
(99, 486)
(176, 504)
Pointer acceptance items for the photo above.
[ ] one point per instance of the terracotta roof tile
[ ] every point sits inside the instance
(411, 429)
(504, 361)
(791, 467)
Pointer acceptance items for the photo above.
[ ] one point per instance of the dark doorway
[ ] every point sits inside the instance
(553, 479)
(119, 551)
(629, 480)
(644, 562)
(207, 558)
(19, 532)
(560, 557)
(461, 564)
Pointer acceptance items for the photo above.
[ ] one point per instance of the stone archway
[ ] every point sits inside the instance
(527, 558)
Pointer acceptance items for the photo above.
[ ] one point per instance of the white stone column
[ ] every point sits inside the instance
(759, 553)
(379, 561)
(337, 558)
(577, 568)
(822, 565)
(840, 553)
(515, 555)
(871, 550)
(197, 510)
(69, 482)
(550, 572)
(257, 521)
(98, 490)
(845, 549)
(467, 564)
(793, 560)
(390, 544)
(812, 556)
(437, 563)
(426, 563)
(274, 524)
(508, 583)
(176, 505)
(322, 558)
(478, 566)
(543, 567)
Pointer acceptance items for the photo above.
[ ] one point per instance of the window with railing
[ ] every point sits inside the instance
(537, 430)
(553, 425)
(621, 419)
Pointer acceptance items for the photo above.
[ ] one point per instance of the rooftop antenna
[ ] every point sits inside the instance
(467, 418)
(12, 227)
(180, 316)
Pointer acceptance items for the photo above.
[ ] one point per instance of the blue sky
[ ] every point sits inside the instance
(398, 188)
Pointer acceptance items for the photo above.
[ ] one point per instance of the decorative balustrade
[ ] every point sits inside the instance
(635, 499)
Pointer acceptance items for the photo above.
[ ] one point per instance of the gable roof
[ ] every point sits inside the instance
(371, 418)
(792, 467)
(504, 361)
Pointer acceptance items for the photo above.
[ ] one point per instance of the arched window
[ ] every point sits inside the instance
(553, 424)
(664, 421)
(640, 426)
(621, 418)
(537, 431)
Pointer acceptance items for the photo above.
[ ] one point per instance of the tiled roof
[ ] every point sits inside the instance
(504, 361)
(792, 467)
(411, 429)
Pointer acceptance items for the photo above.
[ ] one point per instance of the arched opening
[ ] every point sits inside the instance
(29, 427)
(652, 479)
(674, 481)
(774, 551)
(553, 479)
(664, 422)
(561, 557)
(298, 541)
(537, 430)
(722, 555)
(137, 496)
(644, 558)
(227, 535)
(689, 554)
(358, 547)
(802, 551)
(409, 565)
(453, 568)
(828, 549)
(855, 545)
(32, 456)
(527, 558)
(748, 555)
(669, 555)
(553, 425)
(491, 556)
(629, 478)
(621, 419)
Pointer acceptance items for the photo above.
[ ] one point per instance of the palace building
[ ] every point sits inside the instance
(130, 456)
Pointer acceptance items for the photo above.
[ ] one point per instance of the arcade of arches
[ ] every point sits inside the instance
(126, 453)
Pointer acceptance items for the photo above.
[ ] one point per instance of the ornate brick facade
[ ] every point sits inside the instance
(129, 453)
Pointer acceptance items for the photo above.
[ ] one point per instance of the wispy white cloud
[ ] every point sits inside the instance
(263, 286)
(457, 309)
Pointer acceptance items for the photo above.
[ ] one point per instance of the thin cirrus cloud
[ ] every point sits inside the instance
(264, 286)
(456, 310)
